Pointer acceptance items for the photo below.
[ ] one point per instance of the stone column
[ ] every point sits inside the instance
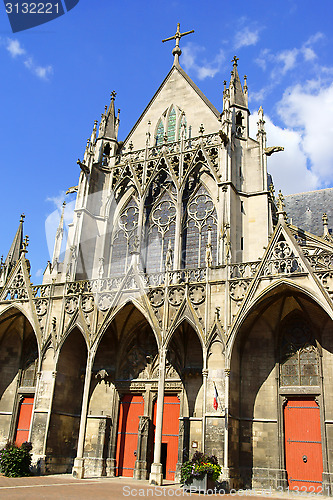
(156, 475)
(204, 407)
(140, 470)
(226, 417)
(78, 469)
(183, 445)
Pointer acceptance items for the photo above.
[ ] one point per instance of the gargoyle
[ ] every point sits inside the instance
(83, 166)
(72, 189)
(273, 149)
(224, 137)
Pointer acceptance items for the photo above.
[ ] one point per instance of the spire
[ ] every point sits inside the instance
(59, 237)
(17, 245)
(236, 92)
(112, 123)
(176, 52)
(261, 121)
(14, 252)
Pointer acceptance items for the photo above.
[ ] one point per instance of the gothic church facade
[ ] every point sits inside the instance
(181, 275)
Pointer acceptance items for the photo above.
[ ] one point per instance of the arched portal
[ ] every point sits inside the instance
(18, 375)
(186, 358)
(124, 380)
(277, 431)
(67, 401)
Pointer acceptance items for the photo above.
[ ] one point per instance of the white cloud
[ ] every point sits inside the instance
(288, 168)
(246, 37)
(309, 110)
(307, 163)
(41, 71)
(15, 49)
(39, 272)
(286, 61)
(204, 70)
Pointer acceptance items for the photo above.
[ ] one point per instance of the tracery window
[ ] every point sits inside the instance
(199, 219)
(160, 230)
(160, 133)
(171, 130)
(123, 238)
(299, 364)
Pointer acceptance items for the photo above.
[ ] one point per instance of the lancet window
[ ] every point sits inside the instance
(199, 226)
(160, 133)
(161, 224)
(299, 365)
(170, 125)
(123, 238)
(171, 130)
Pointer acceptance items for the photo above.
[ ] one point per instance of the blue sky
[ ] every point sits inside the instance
(56, 79)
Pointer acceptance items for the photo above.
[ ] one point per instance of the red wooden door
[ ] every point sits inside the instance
(131, 407)
(24, 420)
(170, 434)
(304, 462)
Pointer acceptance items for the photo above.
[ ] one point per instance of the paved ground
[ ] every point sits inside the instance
(65, 487)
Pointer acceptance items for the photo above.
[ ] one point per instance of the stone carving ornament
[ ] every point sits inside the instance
(176, 295)
(41, 307)
(71, 304)
(87, 303)
(157, 297)
(104, 301)
(197, 294)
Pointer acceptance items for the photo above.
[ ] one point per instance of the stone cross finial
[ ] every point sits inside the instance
(22, 217)
(235, 60)
(113, 95)
(177, 36)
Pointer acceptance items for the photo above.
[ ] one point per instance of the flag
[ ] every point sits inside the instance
(215, 402)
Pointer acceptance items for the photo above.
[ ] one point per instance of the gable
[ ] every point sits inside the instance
(179, 91)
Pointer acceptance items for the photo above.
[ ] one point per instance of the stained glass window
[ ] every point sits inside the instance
(200, 218)
(160, 133)
(161, 230)
(123, 238)
(171, 131)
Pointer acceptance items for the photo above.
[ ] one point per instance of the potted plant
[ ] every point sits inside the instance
(200, 473)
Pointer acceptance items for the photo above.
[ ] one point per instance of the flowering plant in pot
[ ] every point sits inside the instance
(200, 467)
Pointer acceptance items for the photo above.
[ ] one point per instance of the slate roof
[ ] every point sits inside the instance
(305, 210)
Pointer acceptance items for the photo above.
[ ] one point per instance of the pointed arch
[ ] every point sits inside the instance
(136, 305)
(68, 331)
(185, 318)
(24, 312)
(19, 365)
(270, 293)
(64, 424)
